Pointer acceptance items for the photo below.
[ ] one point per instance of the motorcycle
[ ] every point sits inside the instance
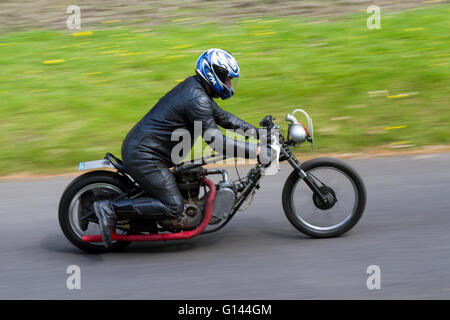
(322, 197)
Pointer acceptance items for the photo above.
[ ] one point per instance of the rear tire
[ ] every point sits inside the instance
(289, 189)
(83, 181)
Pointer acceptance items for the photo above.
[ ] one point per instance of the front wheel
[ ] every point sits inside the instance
(342, 187)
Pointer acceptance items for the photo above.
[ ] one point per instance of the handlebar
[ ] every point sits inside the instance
(267, 122)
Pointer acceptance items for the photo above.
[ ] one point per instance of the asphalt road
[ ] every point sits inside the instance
(259, 255)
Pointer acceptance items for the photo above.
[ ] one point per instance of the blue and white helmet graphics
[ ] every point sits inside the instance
(220, 70)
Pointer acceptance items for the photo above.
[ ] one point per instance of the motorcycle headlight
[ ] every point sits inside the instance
(298, 133)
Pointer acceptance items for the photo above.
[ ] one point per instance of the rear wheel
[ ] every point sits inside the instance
(76, 213)
(342, 187)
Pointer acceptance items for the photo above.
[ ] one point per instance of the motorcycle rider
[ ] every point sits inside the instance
(146, 150)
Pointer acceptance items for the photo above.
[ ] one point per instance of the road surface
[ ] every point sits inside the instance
(259, 255)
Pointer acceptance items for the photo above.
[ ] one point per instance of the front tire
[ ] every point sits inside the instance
(305, 199)
(112, 183)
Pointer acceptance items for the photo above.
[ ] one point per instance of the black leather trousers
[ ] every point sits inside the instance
(154, 176)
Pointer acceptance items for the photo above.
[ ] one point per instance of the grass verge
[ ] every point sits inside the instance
(66, 97)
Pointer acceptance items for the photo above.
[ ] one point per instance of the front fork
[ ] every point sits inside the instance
(287, 155)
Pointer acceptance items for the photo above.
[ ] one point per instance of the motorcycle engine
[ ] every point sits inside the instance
(189, 184)
(192, 216)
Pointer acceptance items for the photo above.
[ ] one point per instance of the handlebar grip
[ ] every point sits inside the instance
(267, 122)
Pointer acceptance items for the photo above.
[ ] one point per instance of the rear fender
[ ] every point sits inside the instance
(126, 181)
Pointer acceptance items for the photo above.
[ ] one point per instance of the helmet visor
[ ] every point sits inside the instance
(225, 78)
(231, 83)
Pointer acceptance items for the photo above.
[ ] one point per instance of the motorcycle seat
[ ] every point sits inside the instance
(116, 162)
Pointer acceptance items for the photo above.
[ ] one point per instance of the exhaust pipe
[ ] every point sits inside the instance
(167, 236)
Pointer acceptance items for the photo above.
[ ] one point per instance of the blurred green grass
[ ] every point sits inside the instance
(354, 82)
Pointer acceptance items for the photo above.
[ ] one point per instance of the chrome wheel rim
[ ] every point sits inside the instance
(93, 228)
(344, 209)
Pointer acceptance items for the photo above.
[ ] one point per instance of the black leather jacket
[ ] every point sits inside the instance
(151, 138)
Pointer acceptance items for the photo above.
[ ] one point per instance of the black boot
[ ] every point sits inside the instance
(142, 207)
(106, 220)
